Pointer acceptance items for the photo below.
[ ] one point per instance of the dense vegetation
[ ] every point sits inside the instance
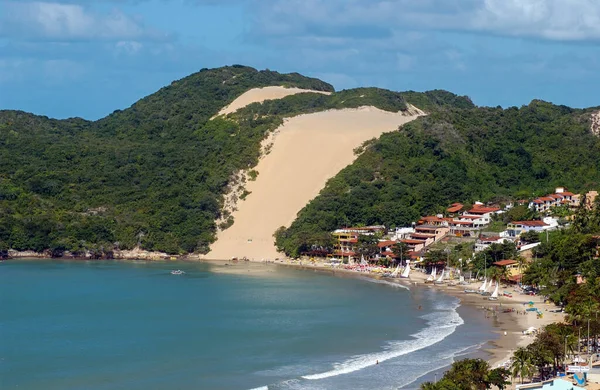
(470, 374)
(152, 175)
(458, 153)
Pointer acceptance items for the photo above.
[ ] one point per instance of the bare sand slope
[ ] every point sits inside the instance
(307, 151)
(259, 95)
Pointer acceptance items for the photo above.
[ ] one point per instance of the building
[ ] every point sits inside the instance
(515, 229)
(346, 241)
(553, 384)
(481, 213)
(561, 197)
(483, 243)
(512, 266)
(455, 208)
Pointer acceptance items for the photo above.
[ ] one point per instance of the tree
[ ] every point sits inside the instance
(400, 250)
(530, 237)
(367, 245)
(470, 374)
(521, 365)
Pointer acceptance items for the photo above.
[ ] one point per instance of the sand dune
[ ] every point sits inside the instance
(258, 95)
(307, 151)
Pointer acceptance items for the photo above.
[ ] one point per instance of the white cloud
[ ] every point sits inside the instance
(65, 22)
(568, 20)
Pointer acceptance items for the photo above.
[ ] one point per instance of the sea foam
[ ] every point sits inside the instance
(440, 324)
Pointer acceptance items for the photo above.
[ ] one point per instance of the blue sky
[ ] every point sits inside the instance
(87, 58)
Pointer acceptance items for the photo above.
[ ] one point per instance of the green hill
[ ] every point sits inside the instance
(154, 174)
(456, 154)
(151, 175)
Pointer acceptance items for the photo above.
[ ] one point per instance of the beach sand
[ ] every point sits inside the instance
(259, 95)
(307, 151)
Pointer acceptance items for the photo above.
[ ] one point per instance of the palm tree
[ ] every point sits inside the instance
(521, 365)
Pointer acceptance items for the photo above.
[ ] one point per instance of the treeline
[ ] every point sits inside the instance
(458, 153)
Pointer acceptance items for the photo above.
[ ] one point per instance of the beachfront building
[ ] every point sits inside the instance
(515, 229)
(346, 240)
(514, 273)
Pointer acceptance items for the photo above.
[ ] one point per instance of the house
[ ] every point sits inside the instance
(464, 228)
(561, 197)
(590, 198)
(511, 265)
(346, 242)
(455, 208)
(438, 231)
(515, 229)
(482, 213)
(483, 243)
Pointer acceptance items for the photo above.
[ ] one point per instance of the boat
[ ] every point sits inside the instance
(441, 278)
(470, 291)
(395, 273)
(406, 270)
(177, 272)
(483, 286)
(494, 296)
(431, 277)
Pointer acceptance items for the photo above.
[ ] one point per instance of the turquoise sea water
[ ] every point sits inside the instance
(124, 325)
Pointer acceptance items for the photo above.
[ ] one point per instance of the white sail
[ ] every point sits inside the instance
(395, 273)
(406, 270)
(441, 277)
(362, 260)
(489, 286)
(432, 276)
(484, 285)
(495, 293)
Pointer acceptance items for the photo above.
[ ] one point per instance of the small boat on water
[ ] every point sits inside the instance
(177, 272)
(470, 291)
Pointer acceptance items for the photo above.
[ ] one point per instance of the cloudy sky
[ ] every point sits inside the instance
(86, 58)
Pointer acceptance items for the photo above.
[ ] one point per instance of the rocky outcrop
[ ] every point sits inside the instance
(595, 126)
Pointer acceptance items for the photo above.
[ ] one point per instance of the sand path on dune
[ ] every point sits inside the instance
(259, 95)
(307, 151)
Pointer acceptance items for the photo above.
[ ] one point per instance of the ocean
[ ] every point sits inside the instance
(132, 325)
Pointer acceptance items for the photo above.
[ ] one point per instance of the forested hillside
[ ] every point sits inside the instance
(152, 175)
(456, 154)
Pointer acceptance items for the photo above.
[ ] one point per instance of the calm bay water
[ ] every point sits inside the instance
(125, 325)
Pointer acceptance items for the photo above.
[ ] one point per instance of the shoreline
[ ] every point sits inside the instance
(508, 326)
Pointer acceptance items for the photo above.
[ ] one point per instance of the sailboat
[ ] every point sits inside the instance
(431, 277)
(441, 278)
(483, 286)
(494, 296)
(362, 260)
(406, 270)
(395, 273)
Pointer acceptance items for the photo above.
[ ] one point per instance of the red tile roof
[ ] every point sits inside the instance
(490, 239)
(383, 244)
(412, 241)
(419, 235)
(567, 193)
(456, 207)
(483, 210)
(504, 263)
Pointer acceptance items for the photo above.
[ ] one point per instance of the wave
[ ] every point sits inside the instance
(443, 360)
(261, 388)
(387, 283)
(439, 327)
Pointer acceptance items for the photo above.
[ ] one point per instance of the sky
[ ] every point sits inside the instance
(87, 58)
